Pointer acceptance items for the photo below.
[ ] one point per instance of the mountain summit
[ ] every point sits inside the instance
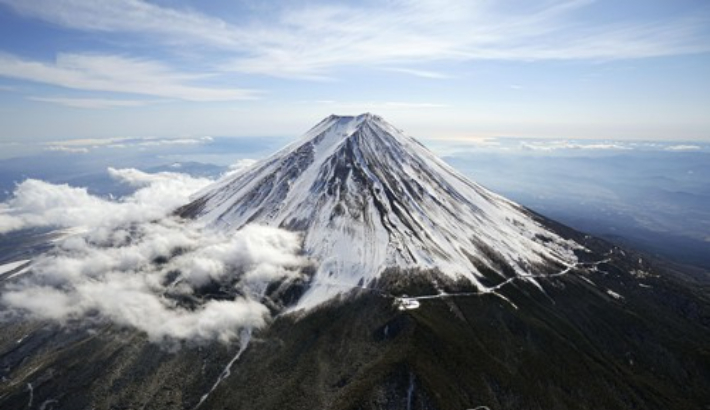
(507, 310)
(367, 197)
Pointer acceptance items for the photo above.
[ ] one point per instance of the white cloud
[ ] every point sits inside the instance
(116, 74)
(310, 42)
(419, 73)
(137, 266)
(89, 142)
(70, 150)
(683, 147)
(311, 39)
(91, 103)
(239, 166)
(37, 203)
(119, 280)
(567, 145)
(85, 145)
(156, 181)
(131, 16)
(149, 142)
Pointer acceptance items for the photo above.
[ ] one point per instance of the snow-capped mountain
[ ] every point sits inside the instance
(559, 320)
(367, 197)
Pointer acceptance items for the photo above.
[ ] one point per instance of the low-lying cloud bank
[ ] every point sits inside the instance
(84, 146)
(137, 266)
(37, 203)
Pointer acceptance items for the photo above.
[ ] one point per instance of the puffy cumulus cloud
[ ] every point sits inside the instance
(137, 266)
(135, 279)
(37, 203)
(268, 251)
(239, 166)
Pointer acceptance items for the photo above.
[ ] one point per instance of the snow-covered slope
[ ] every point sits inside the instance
(368, 197)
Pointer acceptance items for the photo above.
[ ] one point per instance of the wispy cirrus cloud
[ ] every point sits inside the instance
(132, 16)
(92, 103)
(420, 73)
(116, 74)
(311, 40)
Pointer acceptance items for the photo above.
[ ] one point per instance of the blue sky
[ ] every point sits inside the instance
(443, 69)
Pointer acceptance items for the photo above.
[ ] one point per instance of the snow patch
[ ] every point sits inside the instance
(9, 267)
(614, 294)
